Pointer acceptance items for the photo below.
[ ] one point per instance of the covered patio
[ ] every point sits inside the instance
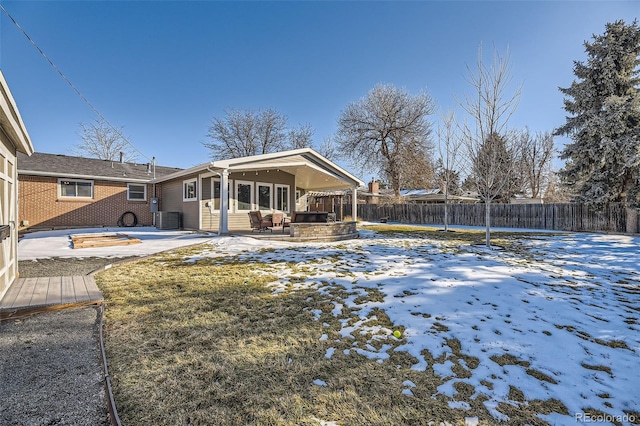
(219, 195)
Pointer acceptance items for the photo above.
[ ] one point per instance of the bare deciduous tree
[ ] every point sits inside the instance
(556, 191)
(487, 138)
(536, 157)
(246, 133)
(449, 149)
(328, 149)
(301, 137)
(100, 140)
(388, 132)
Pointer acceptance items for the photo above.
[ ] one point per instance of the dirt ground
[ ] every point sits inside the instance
(50, 363)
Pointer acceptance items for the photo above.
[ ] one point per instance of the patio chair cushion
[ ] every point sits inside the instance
(258, 223)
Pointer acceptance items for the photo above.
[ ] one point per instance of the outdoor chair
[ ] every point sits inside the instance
(280, 221)
(258, 223)
(331, 217)
(277, 219)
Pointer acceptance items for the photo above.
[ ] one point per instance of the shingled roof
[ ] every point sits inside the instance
(59, 165)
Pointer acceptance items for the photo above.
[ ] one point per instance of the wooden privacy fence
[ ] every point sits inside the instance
(559, 217)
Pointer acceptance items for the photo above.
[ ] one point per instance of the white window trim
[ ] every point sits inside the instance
(288, 197)
(184, 195)
(235, 199)
(136, 199)
(271, 194)
(230, 193)
(72, 197)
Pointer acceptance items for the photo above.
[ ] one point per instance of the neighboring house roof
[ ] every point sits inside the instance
(440, 198)
(432, 195)
(65, 166)
(312, 170)
(341, 193)
(419, 192)
(11, 121)
(525, 200)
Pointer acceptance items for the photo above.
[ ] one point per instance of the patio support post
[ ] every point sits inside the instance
(354, 203)
(223, 226)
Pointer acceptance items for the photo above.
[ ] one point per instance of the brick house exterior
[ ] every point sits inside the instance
(60, 191)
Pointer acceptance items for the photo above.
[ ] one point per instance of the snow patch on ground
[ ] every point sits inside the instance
(558, 320)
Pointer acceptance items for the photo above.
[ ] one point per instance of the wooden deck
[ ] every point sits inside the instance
(30, 295)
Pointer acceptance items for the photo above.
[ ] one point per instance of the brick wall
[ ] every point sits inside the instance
(40, 205)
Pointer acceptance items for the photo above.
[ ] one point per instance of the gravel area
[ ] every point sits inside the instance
(52, 267)
(50, 370)
(50, 363)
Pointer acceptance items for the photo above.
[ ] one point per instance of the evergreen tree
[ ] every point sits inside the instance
(603, 161)
(493, 167)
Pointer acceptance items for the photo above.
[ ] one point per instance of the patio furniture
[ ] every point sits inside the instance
(280, 221)
(331, 217)
(258, 223)
(309, 217)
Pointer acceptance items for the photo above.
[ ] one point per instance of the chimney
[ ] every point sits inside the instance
(121, 157)
(374, 187)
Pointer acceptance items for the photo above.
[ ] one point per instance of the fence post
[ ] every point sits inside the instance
(632, 220)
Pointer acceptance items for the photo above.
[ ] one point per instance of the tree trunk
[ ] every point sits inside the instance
(394, 177)
(446, 210)
(487, 222)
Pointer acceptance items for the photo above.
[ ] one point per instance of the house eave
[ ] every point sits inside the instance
(310, 159)
(11, 122)
(79, 176)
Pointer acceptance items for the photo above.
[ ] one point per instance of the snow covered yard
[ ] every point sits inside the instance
(550, 325)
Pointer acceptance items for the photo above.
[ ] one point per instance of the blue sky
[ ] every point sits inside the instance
(163, 70)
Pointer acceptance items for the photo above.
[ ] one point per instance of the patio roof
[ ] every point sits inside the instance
(312, 170)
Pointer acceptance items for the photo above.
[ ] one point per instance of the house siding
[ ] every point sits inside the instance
(172, 201)
(8, 197)
(238, 221)
(41, 207)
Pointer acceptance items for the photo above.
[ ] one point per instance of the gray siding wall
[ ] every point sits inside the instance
(240, 220)
(172, 202)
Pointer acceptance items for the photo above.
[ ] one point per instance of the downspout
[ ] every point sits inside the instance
(153, 169)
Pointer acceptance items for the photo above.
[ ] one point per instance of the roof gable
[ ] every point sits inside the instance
(311, 169)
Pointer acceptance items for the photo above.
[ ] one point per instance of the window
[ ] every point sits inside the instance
(189, 192)
(282, 198)
(216, 194)
(136, 192)
(70, 188)
(264, 196)
(244, 196)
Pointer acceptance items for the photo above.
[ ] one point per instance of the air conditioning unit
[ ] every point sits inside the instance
(168, 220)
